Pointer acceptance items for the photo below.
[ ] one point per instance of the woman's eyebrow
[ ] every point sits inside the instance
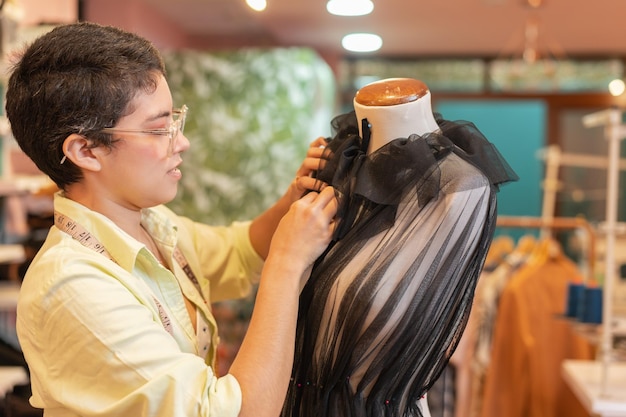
(165, 113)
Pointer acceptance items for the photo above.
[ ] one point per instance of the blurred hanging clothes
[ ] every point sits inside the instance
(471, 358)
(531, 340)
(482, 322)
(385, 306)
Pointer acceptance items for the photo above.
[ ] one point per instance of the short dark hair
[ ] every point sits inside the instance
(77, 78)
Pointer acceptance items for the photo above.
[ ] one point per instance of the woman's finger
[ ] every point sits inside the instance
(310, 183)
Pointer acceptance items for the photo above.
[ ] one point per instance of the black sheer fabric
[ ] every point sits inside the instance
(386, 304)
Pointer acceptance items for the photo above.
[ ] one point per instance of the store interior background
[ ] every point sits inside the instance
(469, 53)
(261, 85)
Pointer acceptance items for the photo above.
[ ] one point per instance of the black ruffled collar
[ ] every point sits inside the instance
(375, 183)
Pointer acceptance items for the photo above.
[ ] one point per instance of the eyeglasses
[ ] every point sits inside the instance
(177, 125)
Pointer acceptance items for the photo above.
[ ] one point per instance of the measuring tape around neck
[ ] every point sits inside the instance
(83, 236)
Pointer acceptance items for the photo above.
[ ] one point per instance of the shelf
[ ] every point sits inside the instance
(9, 293)
(585, 380)
(10, 376)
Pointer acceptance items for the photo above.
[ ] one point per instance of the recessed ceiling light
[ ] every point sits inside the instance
(349, 7)
(362, 42)
(258, 5)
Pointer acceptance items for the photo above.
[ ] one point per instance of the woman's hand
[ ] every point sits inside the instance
(304, 180)
(263, 227)
(307, 228)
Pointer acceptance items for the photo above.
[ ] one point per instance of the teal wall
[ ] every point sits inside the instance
(517, 128)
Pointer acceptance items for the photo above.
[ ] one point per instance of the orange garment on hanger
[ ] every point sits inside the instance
(531, 340)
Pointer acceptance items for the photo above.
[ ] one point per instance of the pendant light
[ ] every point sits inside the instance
(349, 7)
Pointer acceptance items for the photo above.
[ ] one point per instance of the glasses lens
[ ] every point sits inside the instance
(177, 126)
(182, 117)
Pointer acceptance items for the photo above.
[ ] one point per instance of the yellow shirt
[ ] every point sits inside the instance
(109, 337)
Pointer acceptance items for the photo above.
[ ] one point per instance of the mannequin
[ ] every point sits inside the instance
(387, 302)
(395, 108)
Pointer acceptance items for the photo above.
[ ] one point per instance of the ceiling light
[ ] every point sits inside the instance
(258, 5)
(349, 7)
(362, 42)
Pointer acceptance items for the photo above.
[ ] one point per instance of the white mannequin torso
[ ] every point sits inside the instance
(395, 108)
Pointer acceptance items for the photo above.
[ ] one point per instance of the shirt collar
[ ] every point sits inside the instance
(123, 248)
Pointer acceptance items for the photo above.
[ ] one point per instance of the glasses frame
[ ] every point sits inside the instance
(176, 126)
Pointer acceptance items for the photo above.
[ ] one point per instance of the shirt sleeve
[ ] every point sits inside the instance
(228, 263)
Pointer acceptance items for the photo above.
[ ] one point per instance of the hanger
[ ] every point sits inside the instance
(500, 247)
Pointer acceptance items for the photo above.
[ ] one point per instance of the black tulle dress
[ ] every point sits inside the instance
(386, 304)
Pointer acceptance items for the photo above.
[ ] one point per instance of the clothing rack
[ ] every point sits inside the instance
(614, 132)
(554, 159)
(561, 223)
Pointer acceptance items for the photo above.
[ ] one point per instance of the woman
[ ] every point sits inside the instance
(114, 315)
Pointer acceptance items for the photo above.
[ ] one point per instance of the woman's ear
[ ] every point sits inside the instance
(78, 149)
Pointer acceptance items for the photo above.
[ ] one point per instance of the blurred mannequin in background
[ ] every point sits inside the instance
(387, 302)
